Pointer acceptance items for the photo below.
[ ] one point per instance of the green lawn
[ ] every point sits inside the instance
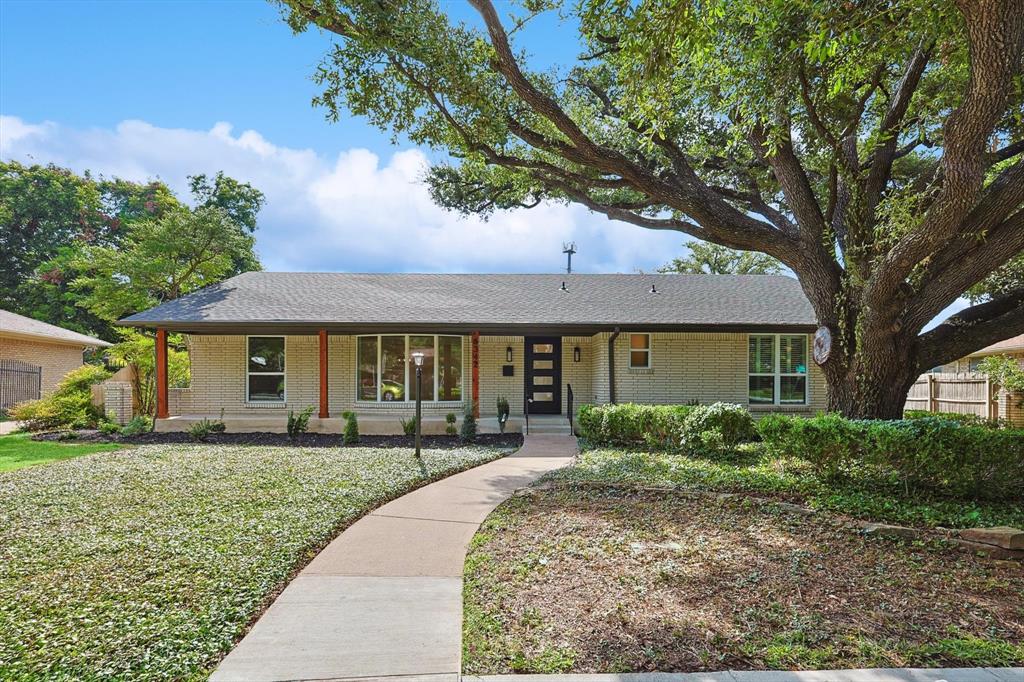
(147, 564)
(19, 450)
(789, 478)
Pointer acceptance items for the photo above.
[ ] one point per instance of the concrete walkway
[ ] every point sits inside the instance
(9, 427)
(385, 597)
(862, 675)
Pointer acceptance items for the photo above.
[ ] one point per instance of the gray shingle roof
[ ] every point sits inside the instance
(347, 300)
(19, 325)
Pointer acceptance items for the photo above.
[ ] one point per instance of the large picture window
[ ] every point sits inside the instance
(777, 369)
(387, 373)
(265, 369)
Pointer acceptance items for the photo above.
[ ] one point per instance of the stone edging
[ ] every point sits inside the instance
(993, 543)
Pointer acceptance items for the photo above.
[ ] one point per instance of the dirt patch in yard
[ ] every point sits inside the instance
(592, 580)
(309, 440)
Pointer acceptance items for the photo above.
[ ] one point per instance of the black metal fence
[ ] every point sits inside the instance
(18, 381)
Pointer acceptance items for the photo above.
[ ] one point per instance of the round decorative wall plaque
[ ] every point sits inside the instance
(822, 345)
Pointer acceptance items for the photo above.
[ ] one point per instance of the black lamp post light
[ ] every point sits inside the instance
(417, 358)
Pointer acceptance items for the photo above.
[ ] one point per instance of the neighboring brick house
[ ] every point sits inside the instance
(263, 343)
(1012, 347)
(55, 350)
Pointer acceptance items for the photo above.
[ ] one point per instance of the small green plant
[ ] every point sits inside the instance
(503, 412)
(199, 431)
(468, 432)
(298, 424)
(449, 427)
(351, 435)
(408, 426)
(137, 426)
(109, 428)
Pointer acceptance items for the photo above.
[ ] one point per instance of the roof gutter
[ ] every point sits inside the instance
(611, 365)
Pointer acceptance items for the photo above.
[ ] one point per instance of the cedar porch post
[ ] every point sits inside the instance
(476, 374)
(161, 374)
(325, 411)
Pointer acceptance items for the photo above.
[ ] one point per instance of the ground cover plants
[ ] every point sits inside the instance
(147, 564)
(584, 579)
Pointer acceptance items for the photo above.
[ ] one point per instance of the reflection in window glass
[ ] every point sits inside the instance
(449, 367)
(793, 389)
(639, 351)
(543, 381)
(425, 345)
(543, 397)
(392, 368)
(543, 348)
(762, 389)
(367, 367)
(543, 364)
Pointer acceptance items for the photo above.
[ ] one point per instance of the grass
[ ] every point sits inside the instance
(148, 564)
(757, 471)
(19, 450)
(586, 579)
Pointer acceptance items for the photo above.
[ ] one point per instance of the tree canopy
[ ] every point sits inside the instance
(873, 147)
(57, 226)
(712, 259)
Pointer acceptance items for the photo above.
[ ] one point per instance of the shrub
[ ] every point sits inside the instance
(137, 426)
(298, 424)
(503, 412)
(109, 428)
(716, 427)
(69, 406)
(408, 426)
(468, 432)
(351, 435)
(925, 453)
(449, 427)
(201, 430)
(630, 424)
(967, 419)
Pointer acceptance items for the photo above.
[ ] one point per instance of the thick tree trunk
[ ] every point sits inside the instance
(872, 382)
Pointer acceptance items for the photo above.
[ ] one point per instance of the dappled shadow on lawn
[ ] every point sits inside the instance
(604, 581)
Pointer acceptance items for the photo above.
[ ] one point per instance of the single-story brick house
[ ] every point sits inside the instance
(1012, 347)
(45, 351)
(263, 343)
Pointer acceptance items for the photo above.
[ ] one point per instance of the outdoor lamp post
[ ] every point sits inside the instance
(418, 359)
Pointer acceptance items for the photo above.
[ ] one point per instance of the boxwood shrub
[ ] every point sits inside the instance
(925, 453)
(694, 428)
(630, 424)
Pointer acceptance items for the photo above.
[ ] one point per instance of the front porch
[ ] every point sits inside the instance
(370, 423)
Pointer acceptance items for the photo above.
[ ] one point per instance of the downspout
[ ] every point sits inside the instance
(611, 365)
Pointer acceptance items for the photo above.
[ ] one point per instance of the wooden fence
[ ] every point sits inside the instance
(18, 381)
(966, 393)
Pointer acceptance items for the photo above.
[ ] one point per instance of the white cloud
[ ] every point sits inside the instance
(356, 212)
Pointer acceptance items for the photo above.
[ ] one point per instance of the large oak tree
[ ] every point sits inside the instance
(873, 147)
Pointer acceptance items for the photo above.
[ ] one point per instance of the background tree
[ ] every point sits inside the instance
(714, 259)
(874, 148)
(161, 259)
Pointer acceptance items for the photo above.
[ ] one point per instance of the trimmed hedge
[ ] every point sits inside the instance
(703, 428)
(927, 453)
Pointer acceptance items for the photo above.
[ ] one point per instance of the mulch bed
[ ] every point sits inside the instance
(607, 581)
(309, 440)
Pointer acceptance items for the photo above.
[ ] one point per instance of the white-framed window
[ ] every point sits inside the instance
(777, 369)
(639, 351)
(386, 372)
(264, 369)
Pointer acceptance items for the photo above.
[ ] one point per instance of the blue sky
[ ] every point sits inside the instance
(171, 88)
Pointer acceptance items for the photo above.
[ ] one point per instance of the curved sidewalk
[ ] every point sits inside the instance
(385, 597)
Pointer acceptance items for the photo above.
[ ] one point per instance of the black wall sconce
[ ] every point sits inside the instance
(576, 354)
(508, 354)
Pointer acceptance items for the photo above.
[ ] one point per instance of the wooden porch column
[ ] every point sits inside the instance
(325, 411)
(476, 374)
(161, 374)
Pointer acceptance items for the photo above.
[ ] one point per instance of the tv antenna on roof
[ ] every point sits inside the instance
(568, 248)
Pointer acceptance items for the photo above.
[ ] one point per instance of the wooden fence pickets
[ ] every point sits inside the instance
(963, 393)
